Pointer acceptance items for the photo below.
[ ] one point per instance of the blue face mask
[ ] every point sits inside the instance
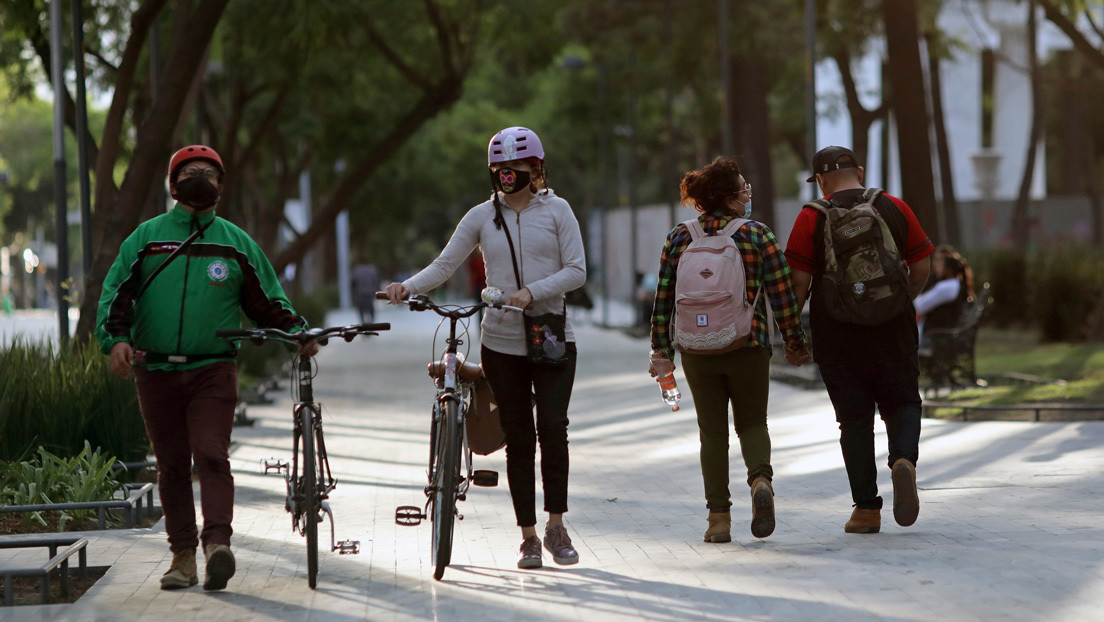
(747, 209)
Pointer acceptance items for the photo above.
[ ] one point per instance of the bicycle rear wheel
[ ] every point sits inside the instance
(447, 479)
(310, 494)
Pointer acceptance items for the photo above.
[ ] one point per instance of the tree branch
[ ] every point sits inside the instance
(1066, 25)
(391, 55)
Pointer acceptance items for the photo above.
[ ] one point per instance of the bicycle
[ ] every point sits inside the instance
(454, 380)
(307, 493)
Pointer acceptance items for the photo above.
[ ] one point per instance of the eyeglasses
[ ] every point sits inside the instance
(210, 173)
(747, 188)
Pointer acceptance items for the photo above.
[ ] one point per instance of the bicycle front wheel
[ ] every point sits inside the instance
(447, 473)
(310, 494)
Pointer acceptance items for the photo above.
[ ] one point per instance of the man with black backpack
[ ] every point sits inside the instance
(864, 256)
(178, 277)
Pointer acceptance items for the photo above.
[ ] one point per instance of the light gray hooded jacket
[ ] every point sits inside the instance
(550, 260)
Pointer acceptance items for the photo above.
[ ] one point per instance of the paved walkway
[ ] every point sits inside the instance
(1009, 526)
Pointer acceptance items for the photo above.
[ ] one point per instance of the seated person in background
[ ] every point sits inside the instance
(941, 305)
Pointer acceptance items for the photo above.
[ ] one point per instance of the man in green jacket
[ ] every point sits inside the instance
(178, 278)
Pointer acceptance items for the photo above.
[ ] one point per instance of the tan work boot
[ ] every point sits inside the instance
(182, 571)
(220, 566)
(864, 521)
(762, 507)
(906, 503)
(720, 525)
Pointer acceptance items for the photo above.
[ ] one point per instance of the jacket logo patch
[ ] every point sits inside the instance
(705, 274)
(218, 270)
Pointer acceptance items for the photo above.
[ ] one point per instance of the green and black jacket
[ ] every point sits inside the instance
(200, 291)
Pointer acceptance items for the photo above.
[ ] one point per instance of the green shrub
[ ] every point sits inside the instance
(60, 400)
(52, 479)
(1067, 283)
(1006, 271)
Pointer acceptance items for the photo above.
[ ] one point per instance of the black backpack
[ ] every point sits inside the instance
(865, 280)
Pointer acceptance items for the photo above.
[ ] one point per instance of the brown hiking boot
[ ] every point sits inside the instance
(720, 524)
(762, 507)
(864, 521)
(182, 571)
(220, 566)
(906, 503)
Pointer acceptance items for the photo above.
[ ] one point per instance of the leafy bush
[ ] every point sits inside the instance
(1006, 272)
(61, 400)
(1067, 283)
(51, 479)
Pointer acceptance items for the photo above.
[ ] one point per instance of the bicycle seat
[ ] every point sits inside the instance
(468, 371)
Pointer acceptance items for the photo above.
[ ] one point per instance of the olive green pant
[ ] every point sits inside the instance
(740, 378)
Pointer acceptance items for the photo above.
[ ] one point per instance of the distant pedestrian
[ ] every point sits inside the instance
(865, 366)
(736, 369)
(178, 278)
(942, 305)
(366, 282)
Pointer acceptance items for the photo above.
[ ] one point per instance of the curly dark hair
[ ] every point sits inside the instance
(708, 188)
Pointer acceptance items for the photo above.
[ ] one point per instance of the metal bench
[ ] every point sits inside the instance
(947, 355)
(58, 563)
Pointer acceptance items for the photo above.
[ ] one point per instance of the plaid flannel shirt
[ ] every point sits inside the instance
(764, 264)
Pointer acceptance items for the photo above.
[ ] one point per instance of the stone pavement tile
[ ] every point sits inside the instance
(990, 493)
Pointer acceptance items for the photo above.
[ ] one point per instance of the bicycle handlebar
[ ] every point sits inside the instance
(421, 302)
(321, 335)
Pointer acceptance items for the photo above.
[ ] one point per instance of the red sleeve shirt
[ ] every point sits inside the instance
(799, 248)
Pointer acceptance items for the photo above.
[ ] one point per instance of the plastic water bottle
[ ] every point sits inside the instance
(670, 391)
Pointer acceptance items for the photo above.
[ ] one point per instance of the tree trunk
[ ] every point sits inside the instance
(949, 204)
(909, 103)
(433, 101)
(752, 122)
(117, 217)
(1021, 225)
(861, 118)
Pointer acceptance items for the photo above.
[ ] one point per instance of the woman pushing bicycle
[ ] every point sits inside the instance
(533, 252)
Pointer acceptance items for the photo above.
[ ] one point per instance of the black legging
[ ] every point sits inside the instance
(517, 383)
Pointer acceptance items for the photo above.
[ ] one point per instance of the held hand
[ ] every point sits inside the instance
(309, 349)
(122, 357)
(798, 356)
(659, 365)
(520, 299)
(396, 293)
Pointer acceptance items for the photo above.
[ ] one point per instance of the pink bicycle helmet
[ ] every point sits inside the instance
(514, 143)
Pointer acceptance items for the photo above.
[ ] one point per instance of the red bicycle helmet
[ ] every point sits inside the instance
(194, 152)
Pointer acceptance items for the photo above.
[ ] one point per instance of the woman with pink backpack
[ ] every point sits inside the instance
(717, 273)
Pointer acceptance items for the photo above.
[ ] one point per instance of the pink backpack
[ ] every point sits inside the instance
(712, 313)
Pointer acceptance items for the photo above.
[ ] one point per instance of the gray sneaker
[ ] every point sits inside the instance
(530, 555)
(558, 544)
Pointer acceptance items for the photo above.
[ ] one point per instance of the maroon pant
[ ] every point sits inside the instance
(189, 415)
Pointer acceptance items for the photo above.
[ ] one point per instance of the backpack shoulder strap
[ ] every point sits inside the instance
(869, 195)
(820, 205)
(695, 228)
(732, 227)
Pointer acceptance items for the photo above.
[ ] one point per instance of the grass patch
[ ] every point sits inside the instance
(1080, 365)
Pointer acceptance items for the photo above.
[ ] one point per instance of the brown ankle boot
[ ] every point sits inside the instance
(182, 571)
(220, 566)
(906, 503)
(720, 524)
(864, 521)
(762, 507)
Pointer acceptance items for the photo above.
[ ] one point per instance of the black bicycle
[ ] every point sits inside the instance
(454, 380)
(307, 491)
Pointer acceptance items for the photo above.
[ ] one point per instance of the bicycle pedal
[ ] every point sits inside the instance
(276, 464)
(409, 515)
(347, 547)
(487, 479)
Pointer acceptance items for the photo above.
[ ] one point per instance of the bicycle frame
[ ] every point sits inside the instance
(454, 384)
(307, 492)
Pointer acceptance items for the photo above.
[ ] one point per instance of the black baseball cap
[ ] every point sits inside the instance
(831, 159)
